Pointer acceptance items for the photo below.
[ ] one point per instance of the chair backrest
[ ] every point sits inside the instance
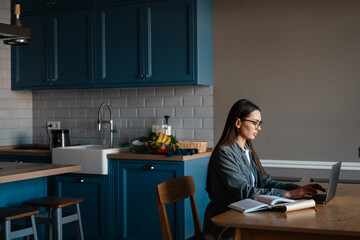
(174, 190)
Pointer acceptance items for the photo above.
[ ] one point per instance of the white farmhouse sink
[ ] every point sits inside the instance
(92, 158)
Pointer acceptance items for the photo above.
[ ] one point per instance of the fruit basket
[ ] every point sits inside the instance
(200, 146)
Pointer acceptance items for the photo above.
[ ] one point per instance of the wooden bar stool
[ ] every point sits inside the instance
(54, 218)
(8, 214)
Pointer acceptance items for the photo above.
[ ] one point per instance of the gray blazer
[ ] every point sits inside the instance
(231, 176)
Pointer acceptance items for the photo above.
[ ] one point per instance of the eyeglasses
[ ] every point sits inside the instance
(257, 124)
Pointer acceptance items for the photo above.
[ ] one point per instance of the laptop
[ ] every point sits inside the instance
(330, 193)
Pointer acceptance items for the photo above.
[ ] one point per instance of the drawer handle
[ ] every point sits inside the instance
(149, 167)
(79, 180)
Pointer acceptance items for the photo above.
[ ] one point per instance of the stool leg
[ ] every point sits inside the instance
(50, 227)
(79, 229)
(58, 224)
(33, 224)
(6, 229)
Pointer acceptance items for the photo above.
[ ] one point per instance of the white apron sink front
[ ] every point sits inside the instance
(92, 158)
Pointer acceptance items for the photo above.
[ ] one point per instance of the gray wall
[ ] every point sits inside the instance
(15, 107)
(299, 61)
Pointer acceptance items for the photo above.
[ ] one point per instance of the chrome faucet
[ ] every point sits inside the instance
(100, 122)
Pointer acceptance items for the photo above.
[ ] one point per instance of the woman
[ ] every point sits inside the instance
(235, 172)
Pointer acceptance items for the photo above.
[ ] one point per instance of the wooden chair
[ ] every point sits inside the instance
(174, 190)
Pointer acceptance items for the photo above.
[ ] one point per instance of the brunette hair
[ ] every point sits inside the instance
(241, 109)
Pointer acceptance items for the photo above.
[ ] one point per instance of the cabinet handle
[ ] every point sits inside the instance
(149, 167)
(48, 80)
(18, 161)
(147, 76)
(141, 76)
(79, 180)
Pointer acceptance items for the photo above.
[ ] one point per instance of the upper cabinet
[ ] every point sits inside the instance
(29, 6)
(115, 44)
(60, 53)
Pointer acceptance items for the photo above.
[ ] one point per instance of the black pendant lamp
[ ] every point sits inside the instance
(16, 22)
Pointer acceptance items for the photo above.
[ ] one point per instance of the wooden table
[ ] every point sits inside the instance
(338, 219)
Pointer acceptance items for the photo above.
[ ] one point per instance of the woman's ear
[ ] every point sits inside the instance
(238, 123)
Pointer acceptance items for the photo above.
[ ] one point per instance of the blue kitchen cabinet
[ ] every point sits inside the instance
(121, 45)
(29, 63)
(155, 43)
(92, 188)
(60, 52)
(48, 5)
(134, 182)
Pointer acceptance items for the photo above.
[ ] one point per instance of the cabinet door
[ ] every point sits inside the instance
(121, 45)
(92, 189)
(30, 67)
(73, 48)
(137, 200)
(170, 49)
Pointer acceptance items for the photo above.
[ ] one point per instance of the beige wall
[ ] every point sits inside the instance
(299, 60)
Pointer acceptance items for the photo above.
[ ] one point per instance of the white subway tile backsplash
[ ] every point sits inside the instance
(173, 101)
(93, 93)
(154, 102)
(63, 95)
(62, 113)
(111, 93)
(184, 112)
(203, 112)
(118, 103)
(184, 91)
(193, 101)
(185, 134)
(203, 134)
(208, 123)
(136, 102)
(11, 124)
(137, 123)
(128, 113)
(208, 101)
(128, 92)
(165, 91)
(147, 112)
(204, 91)
(78, 113)
(192, 123)
(68, 103)
(135, 110)
(146, 92)
(53, 103)
(161, 112)
(83, 103)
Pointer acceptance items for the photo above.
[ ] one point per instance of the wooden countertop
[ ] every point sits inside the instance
(11, 172)
(38, 150)
(156, 157)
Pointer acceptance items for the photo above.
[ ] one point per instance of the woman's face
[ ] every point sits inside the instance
(249, 126)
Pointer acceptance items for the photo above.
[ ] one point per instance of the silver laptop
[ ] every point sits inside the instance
(330, 193)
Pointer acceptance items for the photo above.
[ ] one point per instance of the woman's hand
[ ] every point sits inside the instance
(306, 191)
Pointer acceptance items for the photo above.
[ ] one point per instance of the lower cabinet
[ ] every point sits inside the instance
(122, 204)
(133, 184)
(92, 188)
